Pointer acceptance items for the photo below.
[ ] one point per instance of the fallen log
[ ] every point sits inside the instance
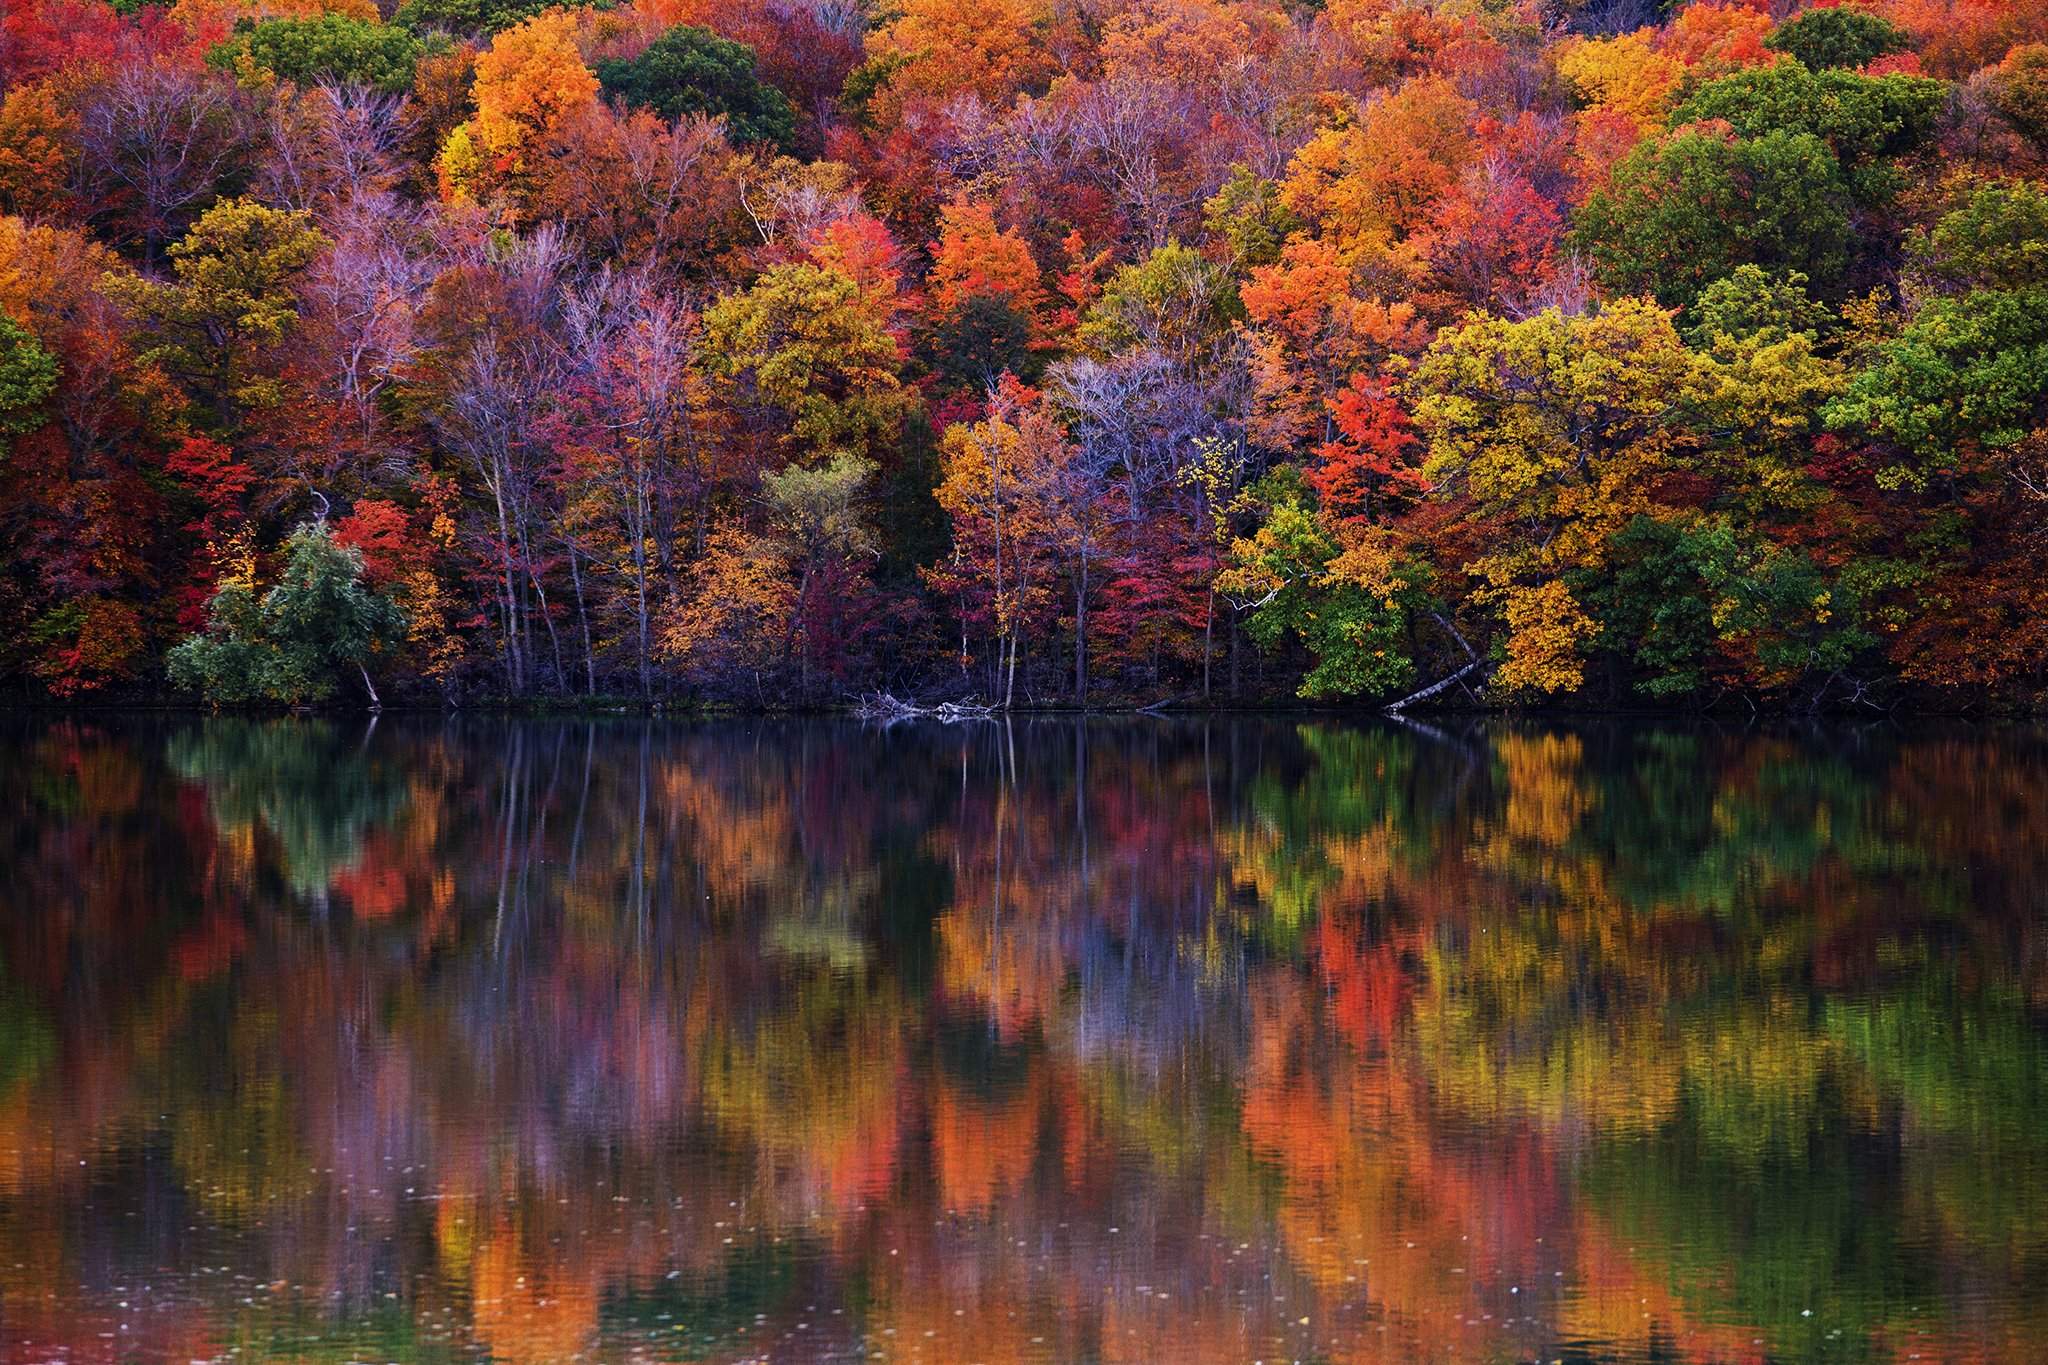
(1439, 685)
(889, 710)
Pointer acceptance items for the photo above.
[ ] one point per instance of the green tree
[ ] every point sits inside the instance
(1247, 213)
(2019, 88)
(289, 645)
(328, 47)
(690, 70)
(1859, 117)
(1336, 588)
(231, 302)
(1752, 304)
(28, 375)
(1967, 374)
(1840, 36)
(481, 17)
(1687, 209)
(1998, 240)
(1176, 301)
(1703, 603)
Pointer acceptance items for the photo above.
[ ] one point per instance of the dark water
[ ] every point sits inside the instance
(1111, 1042)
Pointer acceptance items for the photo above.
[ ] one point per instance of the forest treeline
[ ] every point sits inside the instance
(773, 351)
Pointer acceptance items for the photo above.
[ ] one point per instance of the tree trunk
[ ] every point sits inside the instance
(1081, 636)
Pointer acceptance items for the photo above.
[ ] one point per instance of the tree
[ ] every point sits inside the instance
(1557, 430)
(1337, 586)
(233, 299)
(158, 144)
(935, 49)
(1968, 374)
(329, 47)
(480, 17)
(1627, 74)
(1860, 118)
(1687, 209)
(974, 259)
(1023, 511)
(1998, 239)
(1840, 35)
(28, 376)
(288, 645)
(808, 360)
(529, 81)
(690, 70)
(38, 144)
(2019, 87)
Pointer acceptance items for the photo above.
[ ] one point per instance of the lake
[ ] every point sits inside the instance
(1057, 1040)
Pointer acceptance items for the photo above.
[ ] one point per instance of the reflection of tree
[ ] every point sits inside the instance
(1107, 1041)
(313, 790)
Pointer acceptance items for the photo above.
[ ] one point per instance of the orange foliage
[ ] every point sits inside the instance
(974, 257)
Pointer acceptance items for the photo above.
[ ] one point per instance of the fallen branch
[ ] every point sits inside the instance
(1439, 685)
(889, 710)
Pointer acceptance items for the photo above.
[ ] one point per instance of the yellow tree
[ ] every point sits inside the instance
(1022, 509)
(1553, 432)
(528, 83)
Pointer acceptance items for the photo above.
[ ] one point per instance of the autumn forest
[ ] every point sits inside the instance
(771, 353)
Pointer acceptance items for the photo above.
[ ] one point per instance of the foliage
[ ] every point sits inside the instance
(690, 70)
(1336, 587)
(234, 295)
(1859, 117)
(1839, 35)
(1969, 372)
(1688, 209)
(291, 643)
(807, 347)
(28, 375)
(1685, 354)
(330, 47)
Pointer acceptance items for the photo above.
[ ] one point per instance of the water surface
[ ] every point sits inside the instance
(1058, 1041)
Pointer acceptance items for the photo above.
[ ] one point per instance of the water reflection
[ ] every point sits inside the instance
(1056, 1041)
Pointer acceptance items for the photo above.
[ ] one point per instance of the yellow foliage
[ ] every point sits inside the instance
(1546, 628)
(1625, 74)
(528, 81)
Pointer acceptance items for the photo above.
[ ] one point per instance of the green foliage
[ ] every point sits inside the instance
(1859, 117)
(1999, 240)
(292, 644)
(1247, 213)
(2019, 90)
(1838, 36)
(329, 47)
(1696, 600)
(818, 509)
(1176, 300)
(28, 375)
(481, 17)
(236, 270)
(1751, 304)
(1968, 371)
(690, 70)
(1688, 209)
(974, 344)
(1357, 632)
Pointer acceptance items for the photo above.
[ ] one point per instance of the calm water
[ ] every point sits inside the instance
(1142, 1042)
